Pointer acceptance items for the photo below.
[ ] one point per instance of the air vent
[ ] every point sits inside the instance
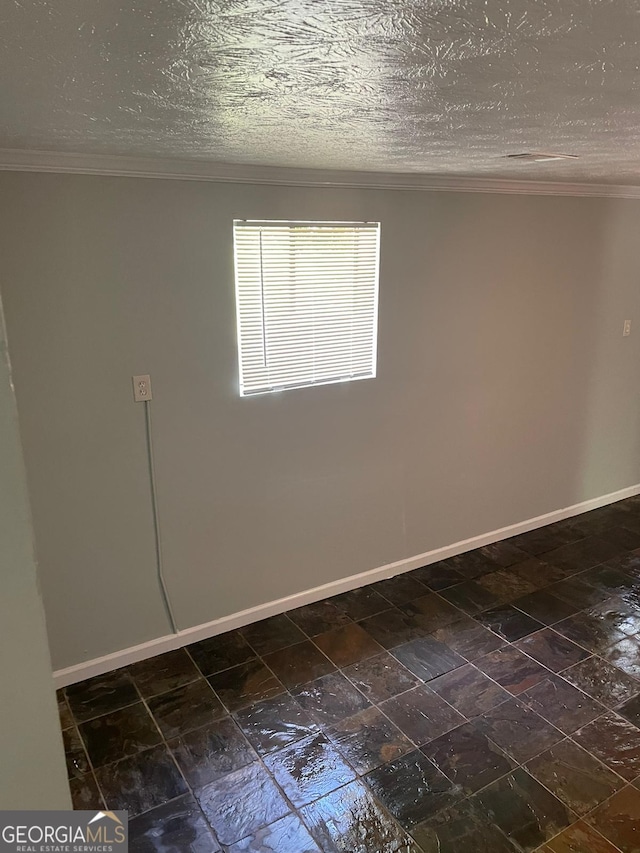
(540, 156)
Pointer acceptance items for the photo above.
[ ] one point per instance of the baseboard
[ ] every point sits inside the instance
(106, 663)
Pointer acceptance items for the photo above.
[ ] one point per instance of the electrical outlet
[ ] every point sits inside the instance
(142, 388)
(626, 329)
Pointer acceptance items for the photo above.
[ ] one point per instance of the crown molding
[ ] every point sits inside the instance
(16, 160)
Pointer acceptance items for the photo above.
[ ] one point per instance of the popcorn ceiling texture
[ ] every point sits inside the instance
(441, 86)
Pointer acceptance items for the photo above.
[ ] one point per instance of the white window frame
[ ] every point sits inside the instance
(250, 292)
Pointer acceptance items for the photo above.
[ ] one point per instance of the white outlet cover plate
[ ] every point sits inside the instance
(142, 388)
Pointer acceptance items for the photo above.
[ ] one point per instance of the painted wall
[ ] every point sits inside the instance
(505, 390)
(32, 765)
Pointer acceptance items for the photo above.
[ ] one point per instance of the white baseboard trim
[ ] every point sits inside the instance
(115, 660)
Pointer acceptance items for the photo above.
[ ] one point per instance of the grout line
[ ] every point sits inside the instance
(91, 770)
(164, 743)
(190, 790)
(95, 776)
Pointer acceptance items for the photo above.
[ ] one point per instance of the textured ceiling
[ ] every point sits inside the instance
(439, 86)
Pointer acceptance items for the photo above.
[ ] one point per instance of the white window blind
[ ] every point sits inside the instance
(307, 303)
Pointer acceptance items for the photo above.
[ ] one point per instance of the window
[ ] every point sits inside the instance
(307, 303)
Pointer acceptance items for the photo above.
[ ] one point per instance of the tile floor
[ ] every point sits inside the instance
(489, 703)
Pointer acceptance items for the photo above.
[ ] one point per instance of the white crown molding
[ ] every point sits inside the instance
(15, 160)
(185, 636)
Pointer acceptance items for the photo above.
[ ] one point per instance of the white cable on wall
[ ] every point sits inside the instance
(156, 519)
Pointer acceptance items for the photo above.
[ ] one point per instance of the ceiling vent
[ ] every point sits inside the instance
(540, 156)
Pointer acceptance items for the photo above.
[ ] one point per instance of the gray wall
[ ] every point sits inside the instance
(505, 390)
(32, 766)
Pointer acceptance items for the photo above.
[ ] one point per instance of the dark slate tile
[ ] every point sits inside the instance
(319, 617)
(470, 597)
(579, 838)
(469, 691)
(575, 591)
(538, 572)
(630, 505)
(623, 538)
(632, 519)
(627, 563)
(211, 752)
(287, 835)
(509, 623)
(518, 730)
(607, 579)
(298, 664)
(438, 575)
(619, 819)
(468, 638)
(272, 634)
(588, 631)
(175, 827)
(584, 554)
(141, 782)
(412, 788)
(186, 708)
(121, 733)
(242, 802)
(85, 794)
(273, 724)
(602, 681)
(369, 739)
(217, 653)
(101, 695)
(625, 655)
(468, 758)
(632, 595)
(545, 539)
(360, 603)
(64, 712)
(242, 685)
(421, 714)
(599, 521)
(473, 564)
(631, 711)
(562, 704)
(330, 699)
(618, 614)
(164, 673)
(393, 627)
(504, 553)
(466, 827)
(545, 607)
(75, 755)
(552, 650)
(309, 769)
(348, 645)
(615, 741)
(506, 586)
(526, 812)
(349, 820)
(574, 776)
(427, 658)
(432, 610)
(512, 669)
(381, 677)
(400, 590)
